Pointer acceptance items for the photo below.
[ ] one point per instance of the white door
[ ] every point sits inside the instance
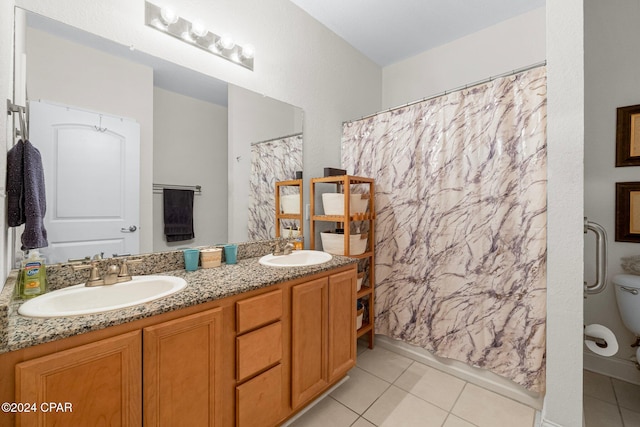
(92, 177)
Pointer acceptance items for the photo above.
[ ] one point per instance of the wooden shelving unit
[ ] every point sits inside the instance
(281, 216)
(366, 262)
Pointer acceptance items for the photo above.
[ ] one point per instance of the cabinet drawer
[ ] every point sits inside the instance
(254, 312)
(258, 350)
(259, 401)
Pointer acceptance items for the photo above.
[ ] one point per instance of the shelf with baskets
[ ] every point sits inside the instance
(350, 205)
(289, 207)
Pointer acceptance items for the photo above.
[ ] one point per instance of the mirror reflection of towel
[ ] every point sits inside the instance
(26, 202)
(178, 214)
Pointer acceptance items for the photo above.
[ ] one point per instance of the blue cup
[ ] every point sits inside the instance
(191, 257)
(230, 254)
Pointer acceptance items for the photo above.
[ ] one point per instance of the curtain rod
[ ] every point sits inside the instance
(459, 88)
(277, 138)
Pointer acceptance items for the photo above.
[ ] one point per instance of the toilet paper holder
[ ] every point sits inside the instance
(600, 342)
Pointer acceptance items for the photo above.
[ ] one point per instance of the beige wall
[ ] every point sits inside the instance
(515, 43)
(190, 148)
(252, 118)
(611, 81)
(71, 74)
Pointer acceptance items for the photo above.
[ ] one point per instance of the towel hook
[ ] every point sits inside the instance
(14, 108)
(100, 128)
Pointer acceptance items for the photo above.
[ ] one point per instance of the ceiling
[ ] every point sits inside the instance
(388, 31)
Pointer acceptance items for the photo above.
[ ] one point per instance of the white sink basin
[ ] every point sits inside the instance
(296, 259)
(80, 299)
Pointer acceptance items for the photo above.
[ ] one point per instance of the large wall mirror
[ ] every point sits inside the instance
(92, 99)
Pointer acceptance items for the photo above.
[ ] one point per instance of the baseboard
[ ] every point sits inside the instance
(546, 423)
(624, 370)
(477, 376)
(315, 402)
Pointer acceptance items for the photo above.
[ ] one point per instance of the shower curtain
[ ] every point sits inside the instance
(271, 161)
(461, 223)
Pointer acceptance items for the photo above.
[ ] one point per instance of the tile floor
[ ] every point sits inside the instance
(387, 389)
(609, 402)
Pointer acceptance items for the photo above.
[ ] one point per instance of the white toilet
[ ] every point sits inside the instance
(628, 298)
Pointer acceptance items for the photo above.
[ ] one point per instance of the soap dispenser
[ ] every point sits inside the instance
(33, 276)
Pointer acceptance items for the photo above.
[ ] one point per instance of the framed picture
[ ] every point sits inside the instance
(628, 136)
(628, 212)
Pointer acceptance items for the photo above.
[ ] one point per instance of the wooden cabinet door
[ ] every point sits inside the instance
(259, 400)
(308, 340)
(101, 382)
(342, 326)
(182, 371)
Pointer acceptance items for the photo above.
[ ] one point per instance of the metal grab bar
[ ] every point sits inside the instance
(601, 257)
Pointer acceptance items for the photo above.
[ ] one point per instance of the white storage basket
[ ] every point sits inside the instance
(290, 204)
(334, 243)
(333, 203)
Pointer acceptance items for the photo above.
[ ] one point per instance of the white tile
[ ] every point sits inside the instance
(397, 408)
(598, 386)
(453, 421)
(360, 391)
(383, 363)
(630, 418)
(327, 413)
(487, 409)
(628, 394)
(362, 423)
(598, 413)
(431, 385)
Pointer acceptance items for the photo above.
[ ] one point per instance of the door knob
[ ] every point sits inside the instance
(131, 229)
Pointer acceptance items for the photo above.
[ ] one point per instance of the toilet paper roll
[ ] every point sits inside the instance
(599, 331)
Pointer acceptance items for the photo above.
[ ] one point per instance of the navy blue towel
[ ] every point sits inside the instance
(26, 194)
(178, 214)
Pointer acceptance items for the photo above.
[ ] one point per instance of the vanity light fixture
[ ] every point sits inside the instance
(196, 34)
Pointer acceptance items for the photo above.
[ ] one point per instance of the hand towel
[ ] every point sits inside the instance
(178, 214)
(35, 205)
(15, 185)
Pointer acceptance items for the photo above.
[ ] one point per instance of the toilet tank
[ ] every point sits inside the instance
(628, 298)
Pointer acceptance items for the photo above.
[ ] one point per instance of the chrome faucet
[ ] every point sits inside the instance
(114, 273)
(288, 248)
(285, 250)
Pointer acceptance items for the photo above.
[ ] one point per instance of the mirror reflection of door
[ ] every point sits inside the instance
(92, 170)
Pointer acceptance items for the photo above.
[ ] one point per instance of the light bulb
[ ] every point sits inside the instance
(226, 41)
(248, 51)
(198, 29)
(168, 15)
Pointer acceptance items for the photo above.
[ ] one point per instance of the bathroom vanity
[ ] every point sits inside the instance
(241, 345)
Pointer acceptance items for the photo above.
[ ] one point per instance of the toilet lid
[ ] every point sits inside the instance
(627, 280)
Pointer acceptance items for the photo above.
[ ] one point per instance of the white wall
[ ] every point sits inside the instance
(252, 118)
(611, 81)
(190, 148)
(565, 139)
(6, 126)
(68, 73)
(508, 45)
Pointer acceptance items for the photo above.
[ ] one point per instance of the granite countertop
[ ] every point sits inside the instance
(203, 285)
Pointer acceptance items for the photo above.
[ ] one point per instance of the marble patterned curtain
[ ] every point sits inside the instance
(461, 223)
(271, 161)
